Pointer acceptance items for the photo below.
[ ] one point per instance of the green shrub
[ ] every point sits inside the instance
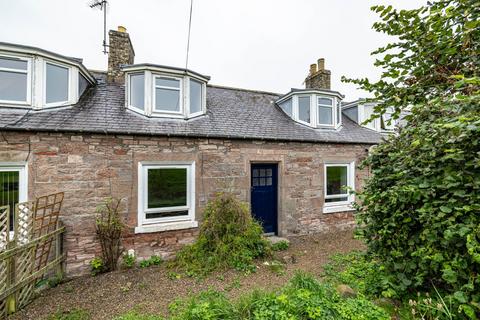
(128, 260)
(97, 266)
(419, 211)
(229, 238)
(280, 246)
(303, 298)
(109, 226)
(152, 261)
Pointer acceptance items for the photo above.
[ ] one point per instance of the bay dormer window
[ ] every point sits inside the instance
(314, 108)
(37, 79)
(15, 80)
(165, 92)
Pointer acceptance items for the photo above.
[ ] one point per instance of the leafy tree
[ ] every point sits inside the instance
(420, 210)
(435, 46)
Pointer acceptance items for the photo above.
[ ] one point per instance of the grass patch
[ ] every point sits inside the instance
(76, 314)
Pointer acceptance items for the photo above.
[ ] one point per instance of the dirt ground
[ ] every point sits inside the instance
(152, 289)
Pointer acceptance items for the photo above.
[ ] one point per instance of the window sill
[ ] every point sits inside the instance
(166, 226)
(339, 208)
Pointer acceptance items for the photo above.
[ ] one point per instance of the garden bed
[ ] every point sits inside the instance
(152, 289)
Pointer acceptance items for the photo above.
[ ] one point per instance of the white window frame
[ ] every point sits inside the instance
(332, 108)
(202, 98)
(28, 101)
(166, 223)
(309, 96)
(338, 113)
(129, 92)
(179, 89)
(339, 206)
(21, 168)
(71, 84)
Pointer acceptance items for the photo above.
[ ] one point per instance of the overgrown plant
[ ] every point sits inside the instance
(109, 227)
(229, 238)
(419, 211)
(303, 298)
(97, 266)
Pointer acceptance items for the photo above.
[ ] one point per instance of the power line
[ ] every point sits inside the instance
(189, 28)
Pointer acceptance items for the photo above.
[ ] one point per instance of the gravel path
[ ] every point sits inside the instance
(151, 289)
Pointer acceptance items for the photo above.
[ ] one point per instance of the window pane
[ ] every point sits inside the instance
(167, 82)
(286, 106)
(339, 111)
(13, 86)
(167, 99)
(336, 179)
(137, 90)
(337, 199)
(304, 109)
(82, 84)
(167, 188)
(9, 191)
(154, 215)
(195, 96)
(324, 115)
(13, 64)
(325, 101)
(57, 83)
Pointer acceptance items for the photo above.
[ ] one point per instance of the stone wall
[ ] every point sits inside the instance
(89, 168)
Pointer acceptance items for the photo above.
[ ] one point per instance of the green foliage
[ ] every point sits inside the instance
(303, 298)
(109, 226)
(128, 260)
(76, 314)
(357, 270)
(434, 46)
(280, 246)
(229, 238)
(152, 261)
(420, 210)
(97, 266)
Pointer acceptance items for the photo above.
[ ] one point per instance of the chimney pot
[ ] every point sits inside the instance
(321, 64)
(313, 69)
(121, 29)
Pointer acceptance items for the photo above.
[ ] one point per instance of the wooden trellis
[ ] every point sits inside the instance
(26, 257)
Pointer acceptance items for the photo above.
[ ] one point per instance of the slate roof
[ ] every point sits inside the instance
(231, 113)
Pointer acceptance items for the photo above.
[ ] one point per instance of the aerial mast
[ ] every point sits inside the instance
(102, 5)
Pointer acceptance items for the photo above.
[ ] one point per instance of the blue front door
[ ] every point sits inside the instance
(264, 191)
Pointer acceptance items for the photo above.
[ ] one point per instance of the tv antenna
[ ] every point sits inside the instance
(102, 5)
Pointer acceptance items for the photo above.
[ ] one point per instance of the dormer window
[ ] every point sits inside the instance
(361, 112)
(14, 80)
(312, 107)
(166, 92)
(37, 79)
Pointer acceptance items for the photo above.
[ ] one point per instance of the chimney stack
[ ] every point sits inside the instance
(318, 78)
(120, 52)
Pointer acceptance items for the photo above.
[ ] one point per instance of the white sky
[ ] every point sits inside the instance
(254, 44)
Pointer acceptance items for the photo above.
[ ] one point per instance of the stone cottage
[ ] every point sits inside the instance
(165, 141)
